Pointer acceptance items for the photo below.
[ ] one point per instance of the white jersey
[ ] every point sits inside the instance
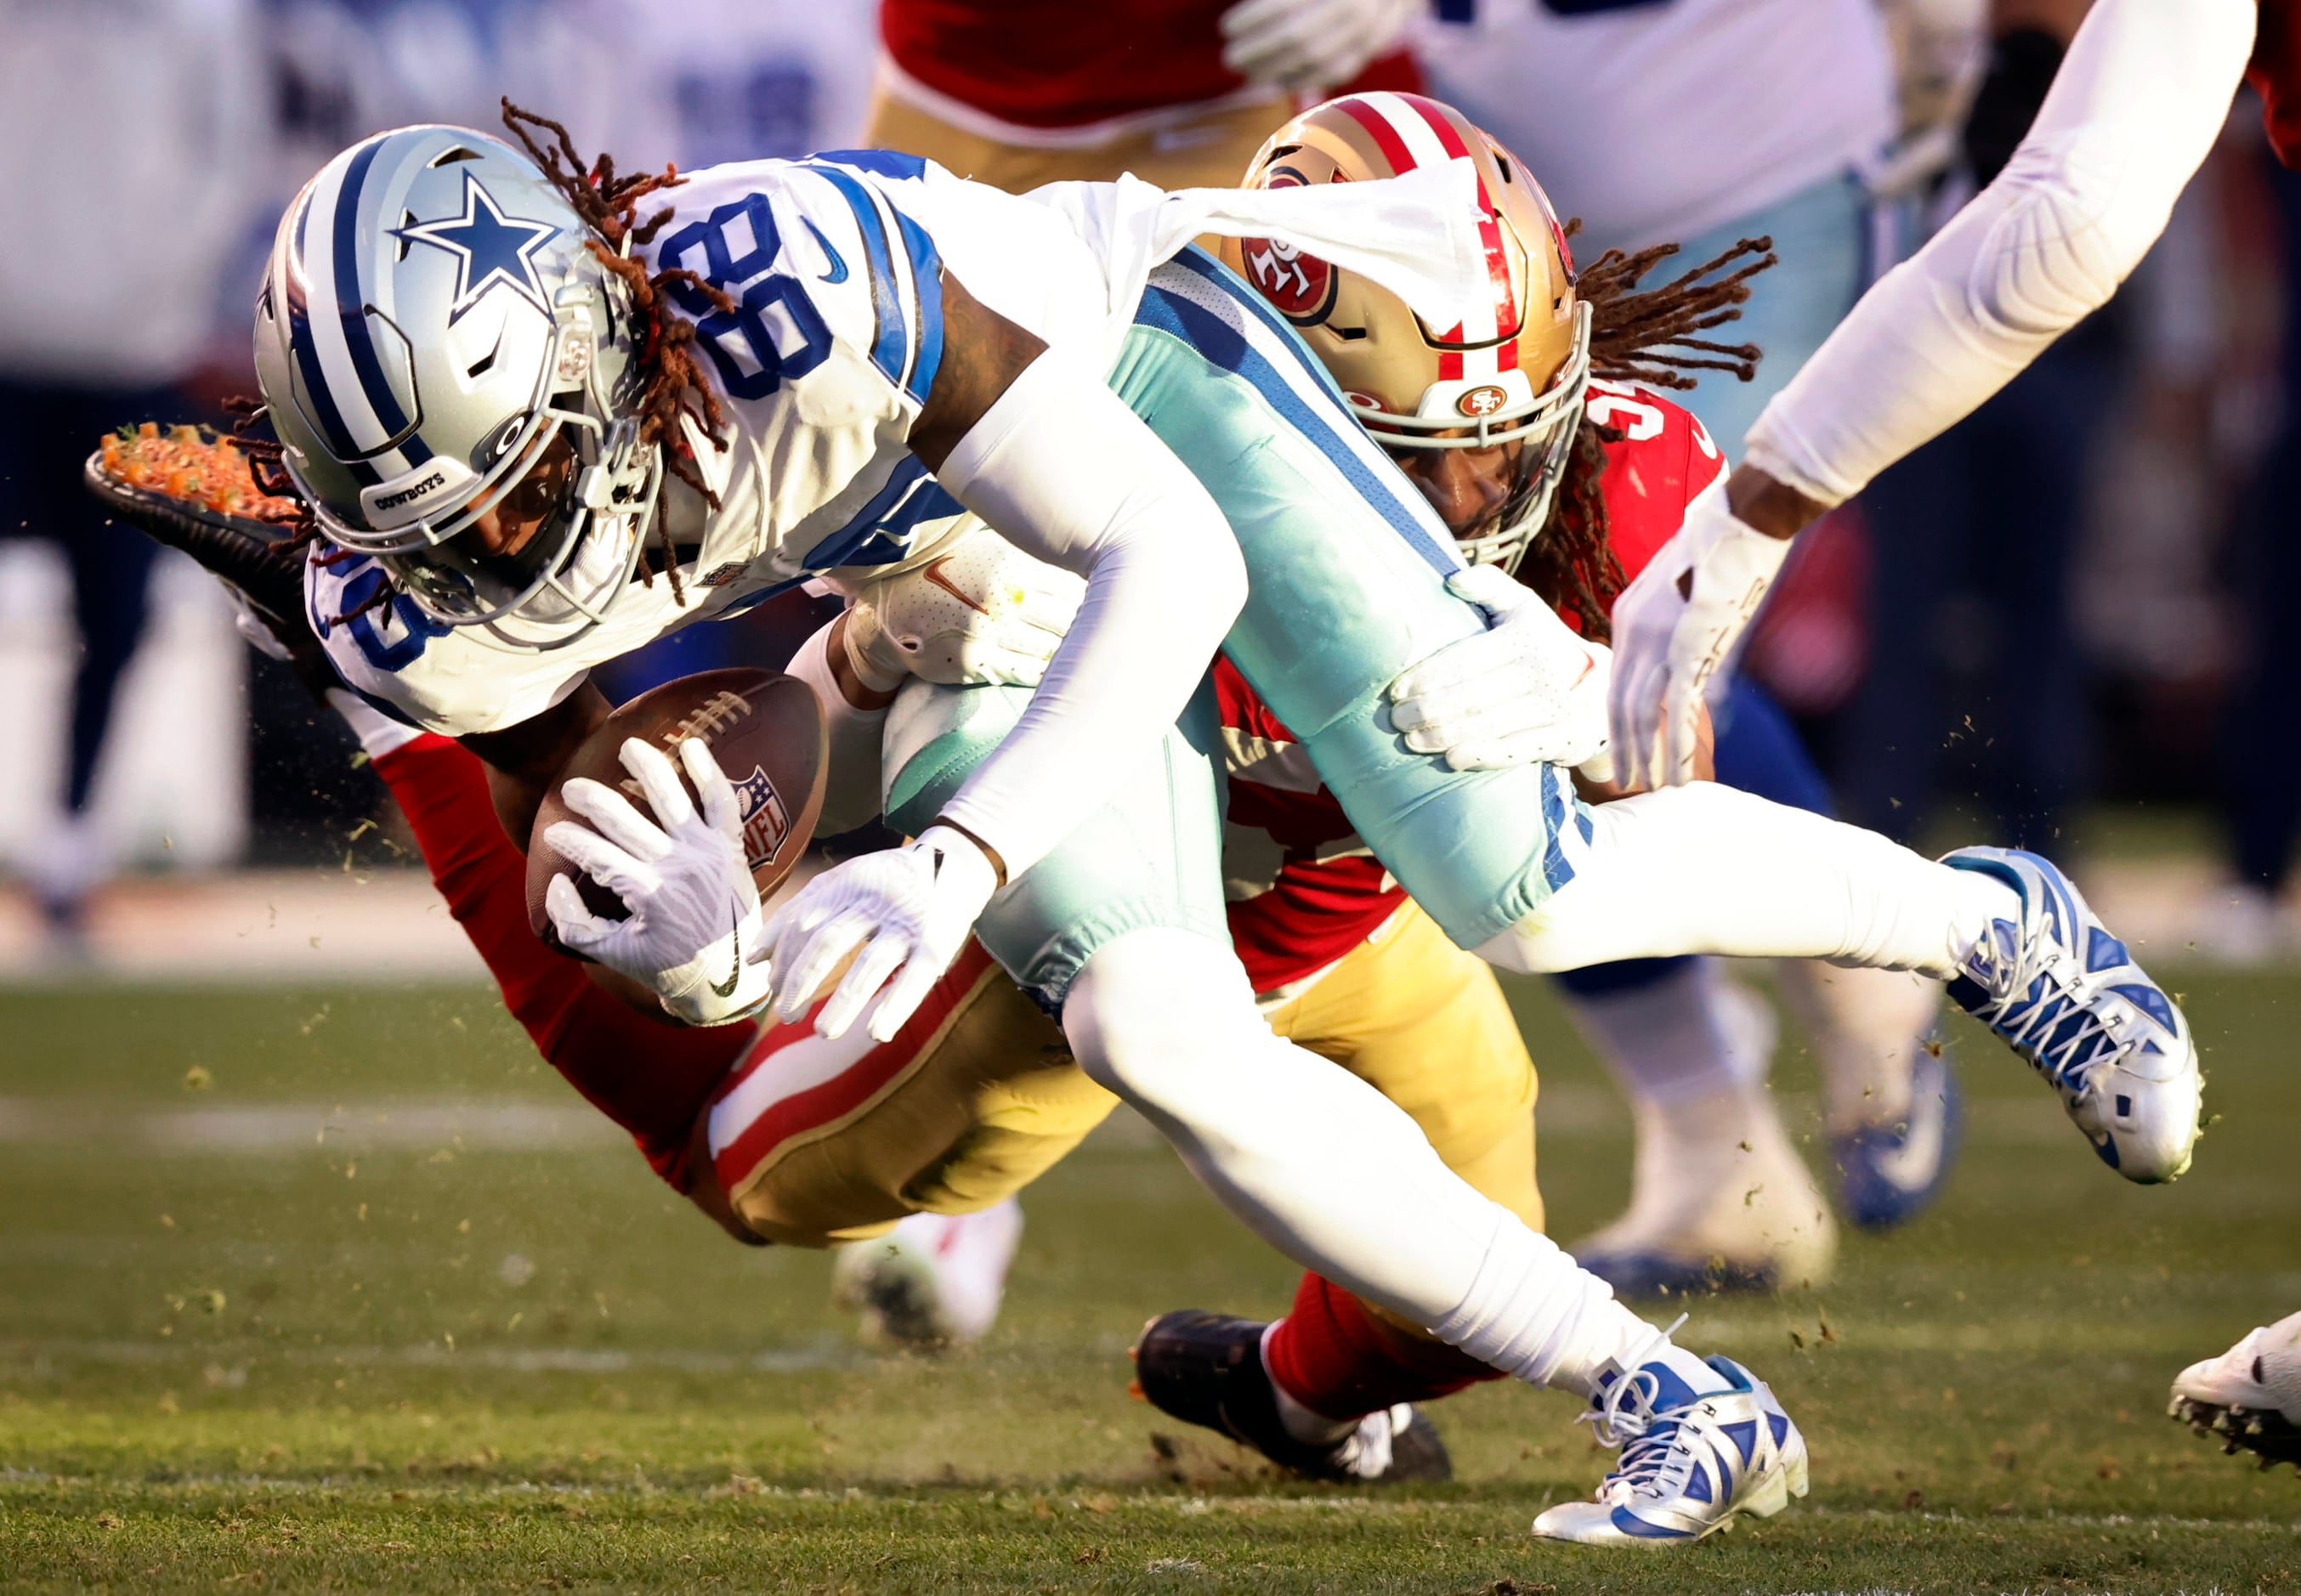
(1655, 122)
(837, 264)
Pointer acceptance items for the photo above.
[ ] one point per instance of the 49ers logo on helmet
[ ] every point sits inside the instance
(1484, 400)
(1300, 286)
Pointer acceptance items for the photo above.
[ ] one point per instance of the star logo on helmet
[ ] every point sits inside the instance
(490, 248)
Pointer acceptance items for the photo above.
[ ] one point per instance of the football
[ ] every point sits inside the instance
(766, 730)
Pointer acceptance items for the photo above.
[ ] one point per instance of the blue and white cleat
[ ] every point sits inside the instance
(1888, 1174)
(1690, 1465)
(2067, 997)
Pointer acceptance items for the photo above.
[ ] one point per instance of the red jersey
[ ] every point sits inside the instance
(1057, 63)
(1054, 66)
(1303, 889)
(2275, 74)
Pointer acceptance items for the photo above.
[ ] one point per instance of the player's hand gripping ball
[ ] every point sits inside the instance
(660, 879)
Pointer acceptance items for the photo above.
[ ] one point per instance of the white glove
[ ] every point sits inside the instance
(981, 612)
(694, 935)
(909, 909)
(1527, 690)
(1305, 44)
(1673, 627)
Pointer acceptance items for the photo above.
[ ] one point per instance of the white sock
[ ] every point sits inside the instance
(1672, 1037)
(1867, 1026)
(379, 734)
(1305, 1424)
(1330, 1171)
(1706, 869)
(1534, 1312)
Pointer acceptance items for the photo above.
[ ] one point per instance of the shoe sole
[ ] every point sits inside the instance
(2271, 1435)
(1772, 1494)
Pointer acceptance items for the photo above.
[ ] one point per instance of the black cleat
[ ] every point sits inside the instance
(256, 560)
(1206, 1369)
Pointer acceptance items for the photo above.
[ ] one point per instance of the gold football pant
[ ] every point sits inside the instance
(819, 1142)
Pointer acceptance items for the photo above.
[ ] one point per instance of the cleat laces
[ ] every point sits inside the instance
(1624, 1418)
(2045, 1007)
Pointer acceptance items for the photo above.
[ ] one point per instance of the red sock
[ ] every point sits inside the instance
(652, 1079)
(1339, 1360)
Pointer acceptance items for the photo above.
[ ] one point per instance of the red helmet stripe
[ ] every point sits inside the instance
(1385, 136)
(1490, 232)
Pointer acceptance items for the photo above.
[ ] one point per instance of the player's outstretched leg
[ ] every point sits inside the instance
(2250, 1396)
(934, 1280)
(1704, 869)
(1691, 1462)
(2067, 997)
(1209, 1369)
(1165, 1019)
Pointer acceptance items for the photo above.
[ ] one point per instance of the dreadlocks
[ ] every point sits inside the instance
(671, 384)
(1647, 335)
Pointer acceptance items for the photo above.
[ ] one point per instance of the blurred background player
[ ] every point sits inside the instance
(1988, 522)
(1609, 103)
(135, 121)
(1018, 93)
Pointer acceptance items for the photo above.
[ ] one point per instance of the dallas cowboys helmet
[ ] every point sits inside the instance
(453, 374)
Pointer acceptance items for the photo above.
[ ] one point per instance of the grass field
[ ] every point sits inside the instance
(304, 1290)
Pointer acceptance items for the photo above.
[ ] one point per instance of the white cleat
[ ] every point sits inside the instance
(1690, 1465)
(2067, 997)
(2250, 1396)
(934, 1281)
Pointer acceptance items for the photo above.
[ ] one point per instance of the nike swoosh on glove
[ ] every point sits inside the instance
(1674, 626)
(694, 936)
(981, 612)
(1311, 44)
(1526, 690)
(908, 909)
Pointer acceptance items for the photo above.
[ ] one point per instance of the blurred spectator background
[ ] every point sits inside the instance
(2065, 620)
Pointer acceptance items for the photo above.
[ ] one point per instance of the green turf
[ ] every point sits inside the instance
(428, 1359)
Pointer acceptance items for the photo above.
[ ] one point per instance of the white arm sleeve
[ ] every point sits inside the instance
(1067, 474)
(850, 789)
(2136, 104)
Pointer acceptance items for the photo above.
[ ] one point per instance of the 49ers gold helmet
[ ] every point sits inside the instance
(1512, 368)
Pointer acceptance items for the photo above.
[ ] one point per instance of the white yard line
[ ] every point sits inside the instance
(230, 1369)
(418, 1123)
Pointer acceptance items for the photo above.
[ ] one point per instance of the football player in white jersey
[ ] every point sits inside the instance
(481, 380)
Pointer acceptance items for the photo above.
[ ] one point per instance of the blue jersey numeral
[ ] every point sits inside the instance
(416, 629)
(753, 352)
